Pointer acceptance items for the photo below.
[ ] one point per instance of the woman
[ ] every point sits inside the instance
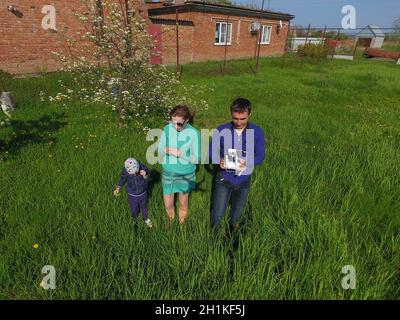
(180, 149)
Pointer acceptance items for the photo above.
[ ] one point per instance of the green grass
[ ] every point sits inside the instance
(392, 45)
(326, 196)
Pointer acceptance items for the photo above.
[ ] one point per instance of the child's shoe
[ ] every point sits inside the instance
(148, 223)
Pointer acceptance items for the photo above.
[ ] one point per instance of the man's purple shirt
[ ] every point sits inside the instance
(251, 142)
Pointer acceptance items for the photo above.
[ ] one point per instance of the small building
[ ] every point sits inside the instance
(370, 37)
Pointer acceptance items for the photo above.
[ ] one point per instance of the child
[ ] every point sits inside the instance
(136, 177)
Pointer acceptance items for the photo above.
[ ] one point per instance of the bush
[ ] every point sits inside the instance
(313, 50)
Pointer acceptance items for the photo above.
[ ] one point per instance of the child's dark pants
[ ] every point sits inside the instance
(137, 204)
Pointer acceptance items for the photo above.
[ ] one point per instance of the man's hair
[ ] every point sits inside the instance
(241, 105)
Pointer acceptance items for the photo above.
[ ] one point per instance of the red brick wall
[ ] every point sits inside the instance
(25, 47)
(169, 43)
(197, 42)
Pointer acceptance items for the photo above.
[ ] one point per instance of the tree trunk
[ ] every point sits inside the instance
(122, 124)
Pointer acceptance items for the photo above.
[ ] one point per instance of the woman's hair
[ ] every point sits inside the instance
(182, 111)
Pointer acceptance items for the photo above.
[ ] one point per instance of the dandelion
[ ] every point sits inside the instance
(35, 245)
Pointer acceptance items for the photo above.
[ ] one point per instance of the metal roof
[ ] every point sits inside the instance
(369, 31)
(200, 6)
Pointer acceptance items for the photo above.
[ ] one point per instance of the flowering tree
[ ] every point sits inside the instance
(117, 71)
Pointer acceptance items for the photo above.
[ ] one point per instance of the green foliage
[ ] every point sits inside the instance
(117, 74)
(335, 36)
(312, 50)
(326, 196)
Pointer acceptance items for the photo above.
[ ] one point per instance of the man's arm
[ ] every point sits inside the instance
(259, 147)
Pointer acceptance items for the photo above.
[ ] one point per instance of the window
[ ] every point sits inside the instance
(266, 34)
(223, 33)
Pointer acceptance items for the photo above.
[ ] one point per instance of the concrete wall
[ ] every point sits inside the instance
(377, 42)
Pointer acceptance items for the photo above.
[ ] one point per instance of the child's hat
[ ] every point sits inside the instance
(132, 165)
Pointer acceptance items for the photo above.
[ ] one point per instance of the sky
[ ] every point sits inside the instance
(329, 12)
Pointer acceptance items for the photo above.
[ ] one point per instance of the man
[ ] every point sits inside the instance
(237, 147)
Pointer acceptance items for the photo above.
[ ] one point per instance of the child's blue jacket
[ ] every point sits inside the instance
(135, 183)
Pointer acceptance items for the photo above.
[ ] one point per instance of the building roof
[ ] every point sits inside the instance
(202, 6)
(371, 31)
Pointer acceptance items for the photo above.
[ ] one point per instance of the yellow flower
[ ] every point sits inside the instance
(36, 245)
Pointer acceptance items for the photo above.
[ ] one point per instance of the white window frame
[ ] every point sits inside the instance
(263, 30)
(228, 27)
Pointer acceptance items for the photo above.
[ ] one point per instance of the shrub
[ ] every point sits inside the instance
(312, 50)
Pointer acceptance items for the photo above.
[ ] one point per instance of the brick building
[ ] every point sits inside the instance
(211, 31)
(205, 31)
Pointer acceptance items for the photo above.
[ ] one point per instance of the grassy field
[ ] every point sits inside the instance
(391, 45)
(327, 195)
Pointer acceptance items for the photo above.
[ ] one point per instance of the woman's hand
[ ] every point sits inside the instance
(143, 173)
(222, 163)
(242, 163)
(172, 151)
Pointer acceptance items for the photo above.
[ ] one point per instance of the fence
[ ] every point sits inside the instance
(337, 43)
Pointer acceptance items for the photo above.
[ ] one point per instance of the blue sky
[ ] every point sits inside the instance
(328, 12)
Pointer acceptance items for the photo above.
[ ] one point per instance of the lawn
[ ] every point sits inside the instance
(391, 45)
(326, 196)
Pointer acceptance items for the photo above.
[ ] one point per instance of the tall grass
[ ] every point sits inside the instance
(326, 196)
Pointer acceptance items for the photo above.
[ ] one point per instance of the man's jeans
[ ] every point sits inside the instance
(223, 191)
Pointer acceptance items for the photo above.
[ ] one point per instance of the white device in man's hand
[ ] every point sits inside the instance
(234, 162)
(231, 160)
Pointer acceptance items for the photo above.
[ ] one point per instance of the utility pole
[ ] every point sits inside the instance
(259, 39)
(177, 40)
